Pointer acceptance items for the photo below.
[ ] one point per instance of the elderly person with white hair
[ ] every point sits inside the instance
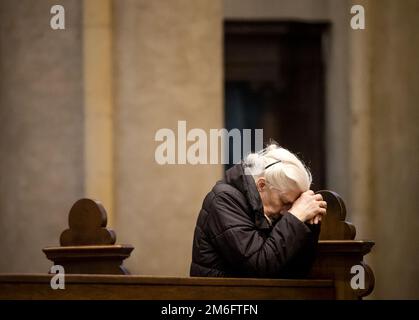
(261, 220)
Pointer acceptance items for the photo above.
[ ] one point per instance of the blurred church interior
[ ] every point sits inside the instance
(79, 109)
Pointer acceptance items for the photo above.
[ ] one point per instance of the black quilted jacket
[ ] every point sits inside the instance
(233, 238)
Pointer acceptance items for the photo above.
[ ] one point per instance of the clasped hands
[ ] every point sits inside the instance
(309, 207)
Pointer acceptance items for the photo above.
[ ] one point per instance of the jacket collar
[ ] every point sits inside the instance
(236, 177)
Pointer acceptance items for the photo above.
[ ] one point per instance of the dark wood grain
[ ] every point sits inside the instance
(87, 225)
(334, 226)
(162, 288)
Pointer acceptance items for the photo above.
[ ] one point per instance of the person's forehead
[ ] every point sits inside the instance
(290, 196)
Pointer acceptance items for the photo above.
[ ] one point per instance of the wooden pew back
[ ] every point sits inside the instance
(93, 266)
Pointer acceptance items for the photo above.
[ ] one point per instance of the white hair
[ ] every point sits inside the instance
(280, 168)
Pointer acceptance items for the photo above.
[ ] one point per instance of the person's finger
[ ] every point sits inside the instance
(309, 192)
(322, 211)
(323, 204)
(318, 197)
(316, 219)
(320, 218)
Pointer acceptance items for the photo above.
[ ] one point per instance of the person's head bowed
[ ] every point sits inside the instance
(280, 177)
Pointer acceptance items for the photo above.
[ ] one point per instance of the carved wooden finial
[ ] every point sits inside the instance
(87, 221)
(334, 226)
(87, 246)
(338, 252)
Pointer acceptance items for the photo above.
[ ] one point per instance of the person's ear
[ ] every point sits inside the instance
(261, 184)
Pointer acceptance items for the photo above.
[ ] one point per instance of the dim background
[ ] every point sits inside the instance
(79, 109)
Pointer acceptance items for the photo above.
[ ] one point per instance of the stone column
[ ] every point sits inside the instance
(41, 140)
(168, 67)
(98, 103)
(395, 147)
(384, 143)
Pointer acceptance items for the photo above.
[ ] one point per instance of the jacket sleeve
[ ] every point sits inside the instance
(300, 265)
(242, 245)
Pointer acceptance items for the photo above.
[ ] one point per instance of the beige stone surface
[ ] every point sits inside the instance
(41, 140)
(98, 103)
(395, 147)
(274, 9)
(360, 127)
(168, 67)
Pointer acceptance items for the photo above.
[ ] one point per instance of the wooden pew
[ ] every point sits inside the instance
(94, 269)
(127, 287)
(339, 252)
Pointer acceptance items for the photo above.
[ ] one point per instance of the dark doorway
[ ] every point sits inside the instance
(275, 80)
